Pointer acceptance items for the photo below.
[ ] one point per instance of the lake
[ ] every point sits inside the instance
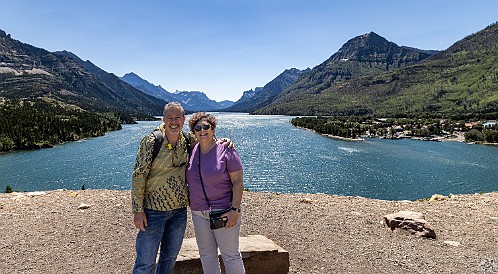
(276, 157)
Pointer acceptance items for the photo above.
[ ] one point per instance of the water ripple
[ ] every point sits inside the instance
(276, 157)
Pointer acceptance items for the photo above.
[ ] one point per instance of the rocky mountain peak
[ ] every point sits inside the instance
(131, 75)
(292, 70)
(364, 45)
(135, 80)
(374, 38)
(69, 54)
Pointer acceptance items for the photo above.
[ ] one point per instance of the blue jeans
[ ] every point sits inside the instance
(164, 228)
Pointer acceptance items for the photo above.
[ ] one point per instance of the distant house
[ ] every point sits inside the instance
(490, 123)
(471, 124)
(398, 128)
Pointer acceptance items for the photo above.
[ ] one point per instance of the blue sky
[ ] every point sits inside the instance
(225, 47)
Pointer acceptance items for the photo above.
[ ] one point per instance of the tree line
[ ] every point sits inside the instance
(35, 124)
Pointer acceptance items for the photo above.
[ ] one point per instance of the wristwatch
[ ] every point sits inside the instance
(236, 209)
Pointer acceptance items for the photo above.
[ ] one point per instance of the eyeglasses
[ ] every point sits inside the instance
(203, 127)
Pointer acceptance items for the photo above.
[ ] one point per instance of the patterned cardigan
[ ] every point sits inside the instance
(159, 185)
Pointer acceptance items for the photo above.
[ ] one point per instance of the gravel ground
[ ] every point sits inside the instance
(47, 233)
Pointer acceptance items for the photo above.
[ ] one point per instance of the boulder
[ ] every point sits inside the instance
(452, 243)
(410, 221)
(437, 197)
(84, 206)
(260, 255)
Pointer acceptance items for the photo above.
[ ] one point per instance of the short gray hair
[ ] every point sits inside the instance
(171, 105)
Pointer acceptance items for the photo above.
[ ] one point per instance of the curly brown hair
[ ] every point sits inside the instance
(196, 117)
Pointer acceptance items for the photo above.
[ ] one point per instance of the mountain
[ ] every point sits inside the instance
(30, 72)
(196, 101)
(190, 100)
(113, 82)
(428, 51)
(148, 88)
(260, 97)
(225, 104)
(365, 55)
(248, 94)
(461, 81)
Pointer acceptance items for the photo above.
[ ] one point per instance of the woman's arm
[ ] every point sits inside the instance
(237, 189)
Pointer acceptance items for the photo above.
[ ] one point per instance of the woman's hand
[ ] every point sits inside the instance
(227, 142)
(233, 217)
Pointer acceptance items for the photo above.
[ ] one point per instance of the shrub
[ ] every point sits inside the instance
(8, 189)
(474, 135)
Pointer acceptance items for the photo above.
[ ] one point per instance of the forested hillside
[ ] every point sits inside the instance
(41, 123)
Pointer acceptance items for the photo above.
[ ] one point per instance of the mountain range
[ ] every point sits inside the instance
(260, 97)
(368, 75)
(190, 100)
(28, 72)
(362, 56)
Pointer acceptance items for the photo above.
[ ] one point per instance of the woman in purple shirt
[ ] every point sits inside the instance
(214, 178)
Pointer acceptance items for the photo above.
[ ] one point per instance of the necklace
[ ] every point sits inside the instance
(169, 145)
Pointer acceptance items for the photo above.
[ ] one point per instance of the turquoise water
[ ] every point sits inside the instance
(276, 157)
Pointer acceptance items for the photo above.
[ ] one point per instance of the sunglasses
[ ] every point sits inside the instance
(203, 127)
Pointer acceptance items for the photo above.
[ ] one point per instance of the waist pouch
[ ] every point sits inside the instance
(215, 219)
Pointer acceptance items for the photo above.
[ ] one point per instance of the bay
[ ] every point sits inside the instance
(276, 157)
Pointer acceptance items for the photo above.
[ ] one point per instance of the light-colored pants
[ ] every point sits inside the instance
(208, 242)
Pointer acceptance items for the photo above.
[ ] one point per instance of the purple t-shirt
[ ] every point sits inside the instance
(215, 166)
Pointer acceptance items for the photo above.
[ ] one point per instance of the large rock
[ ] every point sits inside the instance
(411, 221)
(260, 254)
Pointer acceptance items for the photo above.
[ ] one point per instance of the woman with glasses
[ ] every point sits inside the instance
(214, 178)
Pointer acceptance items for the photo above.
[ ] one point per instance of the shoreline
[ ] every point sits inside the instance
(17, 194)
(333, 136)
(434, 139)
(344, 138)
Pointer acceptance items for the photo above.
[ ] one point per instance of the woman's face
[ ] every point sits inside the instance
(203, 130)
